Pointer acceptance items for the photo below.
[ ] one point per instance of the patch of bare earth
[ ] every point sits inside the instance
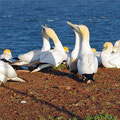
(56, 93)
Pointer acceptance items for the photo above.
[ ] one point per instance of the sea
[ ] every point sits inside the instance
(21, 20)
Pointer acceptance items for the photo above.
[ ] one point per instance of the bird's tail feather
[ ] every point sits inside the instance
(40, 67)
(17, 79)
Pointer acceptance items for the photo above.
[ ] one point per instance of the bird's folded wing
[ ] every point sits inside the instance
(30, 56)
(7, 70)
(88, 64)
(115, 60)
(51, 57)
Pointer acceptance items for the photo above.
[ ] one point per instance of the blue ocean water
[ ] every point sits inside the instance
(21, 20)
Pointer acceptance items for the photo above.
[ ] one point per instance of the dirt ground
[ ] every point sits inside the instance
(55, 93)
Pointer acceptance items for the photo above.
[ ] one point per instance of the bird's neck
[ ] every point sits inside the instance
(57, 43)
(46, 44)
(76, 49)
(85, 45)
(86, 37)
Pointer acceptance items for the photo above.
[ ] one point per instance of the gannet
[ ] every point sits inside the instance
(116, 47)
(6, 56)
(87, 63)
(117, 43)
(33, 57)
(52, 57)
(8, 73)
(109, 59)
(75, 52)
(45, 65)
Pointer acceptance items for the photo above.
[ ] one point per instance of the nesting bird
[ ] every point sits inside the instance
(117, 43)
(116, 47)
(110, 59)
(52, 57)
(8, 73)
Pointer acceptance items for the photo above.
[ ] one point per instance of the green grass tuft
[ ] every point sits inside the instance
(101, 117)
(96, 117)
(60, 67)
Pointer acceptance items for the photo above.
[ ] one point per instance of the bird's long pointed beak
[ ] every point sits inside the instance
(43, 26)
(70, 24)
(73, 26)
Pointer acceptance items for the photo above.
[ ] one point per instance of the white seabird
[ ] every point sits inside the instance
(87, 63)
(117, 43)
(109, 59)
(116, 47)
(8, 73)
(52, 57)
(75, 52)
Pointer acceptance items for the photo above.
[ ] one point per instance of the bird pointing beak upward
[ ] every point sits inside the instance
(73, 26)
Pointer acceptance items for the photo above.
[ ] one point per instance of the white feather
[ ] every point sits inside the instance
(8, 73)
(53, 57)
(57, 55)
(75, 52)
(109, 59)
(87, 62)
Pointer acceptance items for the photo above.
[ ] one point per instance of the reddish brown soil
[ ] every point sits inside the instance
(55, 93)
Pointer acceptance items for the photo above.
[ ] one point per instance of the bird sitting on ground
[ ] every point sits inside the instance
(108, 58)
(8, 73)
(52, 57)
(116, 47)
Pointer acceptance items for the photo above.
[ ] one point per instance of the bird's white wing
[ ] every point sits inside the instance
(92, 63)
(87, 64)
(3, 78)
(7, 70)
(30, 56)
(52, 57)
(115, 60)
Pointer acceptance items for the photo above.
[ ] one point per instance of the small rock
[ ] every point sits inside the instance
(89, 81)
(23, 101)
(14, 94)
(68, 87)
(11, 97)
(31, 92)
